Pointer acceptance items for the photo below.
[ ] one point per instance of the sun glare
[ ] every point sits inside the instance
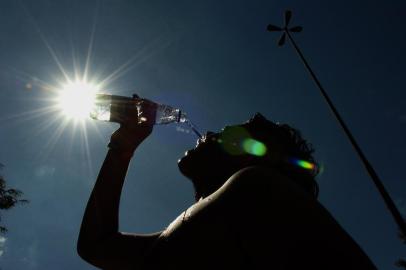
(76, 99)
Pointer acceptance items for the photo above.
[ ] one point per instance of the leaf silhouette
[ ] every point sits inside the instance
(8, 198)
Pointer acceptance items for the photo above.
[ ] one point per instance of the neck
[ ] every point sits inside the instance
(210, 183)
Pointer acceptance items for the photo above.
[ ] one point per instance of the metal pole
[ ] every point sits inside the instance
(378, 183)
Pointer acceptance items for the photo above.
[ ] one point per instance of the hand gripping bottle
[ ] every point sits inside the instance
(112, 108)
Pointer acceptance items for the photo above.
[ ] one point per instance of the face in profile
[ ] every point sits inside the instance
(258, 142)
(206, 154)
(218, 155)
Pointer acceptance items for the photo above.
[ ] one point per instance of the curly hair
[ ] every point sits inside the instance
(295, 147)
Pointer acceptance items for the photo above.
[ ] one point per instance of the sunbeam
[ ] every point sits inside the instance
(46, 43)
(69, 99)
(142, 55)
(90, 47)
(54, 138)
(88, 157)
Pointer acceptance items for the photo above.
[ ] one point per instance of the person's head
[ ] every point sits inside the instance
(258, 142)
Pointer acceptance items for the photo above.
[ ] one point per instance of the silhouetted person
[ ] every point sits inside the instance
(254, 208)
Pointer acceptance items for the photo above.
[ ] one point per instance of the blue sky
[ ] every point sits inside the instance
(214, 60)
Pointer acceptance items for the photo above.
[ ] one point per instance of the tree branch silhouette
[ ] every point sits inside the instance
(9, 197)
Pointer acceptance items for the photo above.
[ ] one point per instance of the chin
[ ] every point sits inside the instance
(186, 164)
(202, 162)
(195, 163)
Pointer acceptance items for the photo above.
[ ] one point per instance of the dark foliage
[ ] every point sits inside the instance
(401, 263)
(8, 198)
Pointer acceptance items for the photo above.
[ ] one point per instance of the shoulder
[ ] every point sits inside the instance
(254, 175)
(261, 183)
(271, 200)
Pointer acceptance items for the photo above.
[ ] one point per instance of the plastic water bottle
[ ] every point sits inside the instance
(166, 114)
(113, 108)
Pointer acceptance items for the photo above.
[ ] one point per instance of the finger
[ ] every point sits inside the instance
(147, 112)
(130, 116)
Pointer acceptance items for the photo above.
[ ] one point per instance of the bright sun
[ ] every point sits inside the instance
(76, 99)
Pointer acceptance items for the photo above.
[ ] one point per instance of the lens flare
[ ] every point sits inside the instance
(236, 140)
(254, 147)
(303, 164)
(232, 138)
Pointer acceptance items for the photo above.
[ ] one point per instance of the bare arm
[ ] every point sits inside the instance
(100, 243)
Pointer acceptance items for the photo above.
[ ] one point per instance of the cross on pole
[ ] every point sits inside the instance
(378, 183)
